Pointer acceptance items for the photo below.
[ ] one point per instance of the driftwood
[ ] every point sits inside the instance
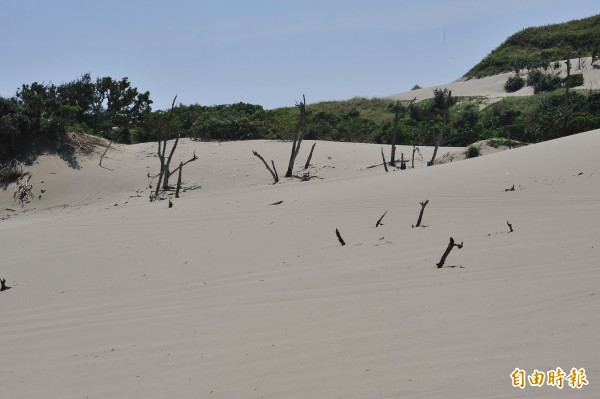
(306, 177)
(509, 226)
(339, 236)
(451, 245)
(104, 153)
(307, 164)
(384, 163)
(23, 190)
(277, 203)
(423, 205)
(4, 287)
(272, 171)
(510, 189)
(380, 219)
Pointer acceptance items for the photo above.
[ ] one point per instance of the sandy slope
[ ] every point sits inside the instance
(492, 87)
(68, 187)
(225, 296)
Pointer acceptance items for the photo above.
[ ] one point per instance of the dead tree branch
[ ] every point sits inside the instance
(272, 171)
(383, 157)
(3, 283)
(182, 164)
(179, 180)
(104, 153)
(423, 205)
(165, 161)
(451, 245)
(443, 102)
(510, 189)
(339, 236)
(415, 149)
(509, 226)
(307, 164)
(23, 190)
(299, 134)
(380, 219)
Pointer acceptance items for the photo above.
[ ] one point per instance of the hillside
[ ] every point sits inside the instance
(578, 38)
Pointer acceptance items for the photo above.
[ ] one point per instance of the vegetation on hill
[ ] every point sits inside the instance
(529, 47)
(105, 106)
(113, 109)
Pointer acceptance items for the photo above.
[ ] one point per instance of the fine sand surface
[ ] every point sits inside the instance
(226, 296)
(492, 87)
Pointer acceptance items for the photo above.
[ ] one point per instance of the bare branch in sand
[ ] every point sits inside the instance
(179, 180)
(307, 164)
(451, 245)
(272, 171)
(416, 149)
(298, 135)
(423, 205)
(3, 287)
(339, 236)
(165, 162)
(384, 163)
(104, 153)
(380, 219)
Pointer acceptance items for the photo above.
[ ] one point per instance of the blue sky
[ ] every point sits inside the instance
(264, 52)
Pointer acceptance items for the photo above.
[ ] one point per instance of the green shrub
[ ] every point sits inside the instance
(574, 80)
(514, 83)
(9, 174)
(542, 82)
(472, 151)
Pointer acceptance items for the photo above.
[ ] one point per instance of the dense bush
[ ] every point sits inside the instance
(514, 83)
(542, 82)
(574, 80)
(105, 107)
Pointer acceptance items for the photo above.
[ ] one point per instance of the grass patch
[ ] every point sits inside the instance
(472, 151)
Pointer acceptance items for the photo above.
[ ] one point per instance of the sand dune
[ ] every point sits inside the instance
(492, 87)
(226, 296)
